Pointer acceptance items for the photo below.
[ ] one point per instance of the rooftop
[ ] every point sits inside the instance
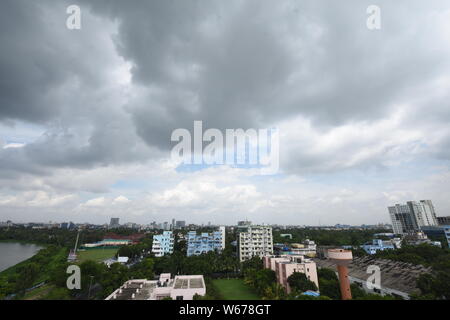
(156, 289)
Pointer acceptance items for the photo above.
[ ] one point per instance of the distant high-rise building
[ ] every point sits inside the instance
(163, 244)
(410, 217)
(443, 221)
(173, 224)
(67, 225)
(114, 223)
(254, 241)
(205, 242)
(244, 223)
(180, 224)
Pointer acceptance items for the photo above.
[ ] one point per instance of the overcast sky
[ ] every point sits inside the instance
(86, 115)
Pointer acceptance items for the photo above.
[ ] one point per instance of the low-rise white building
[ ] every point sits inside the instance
(179, 288)
(121, 260)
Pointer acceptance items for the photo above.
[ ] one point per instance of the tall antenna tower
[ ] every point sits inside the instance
(73, 253)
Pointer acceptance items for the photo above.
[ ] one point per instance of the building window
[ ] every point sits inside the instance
(179, 297)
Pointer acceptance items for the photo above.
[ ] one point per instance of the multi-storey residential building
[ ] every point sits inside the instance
(443, 221)
(205, 242)
(163, 244)
(410, 217)
(285, 266)
(255, 241)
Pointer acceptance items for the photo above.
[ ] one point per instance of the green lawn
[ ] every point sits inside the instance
(38, 293)
(234, 289)
(97, 255)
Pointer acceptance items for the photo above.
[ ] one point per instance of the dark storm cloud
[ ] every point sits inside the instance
(39, 59)
(60, 80)
(252, 63)
(27, 68)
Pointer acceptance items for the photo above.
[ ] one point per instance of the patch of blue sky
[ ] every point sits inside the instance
(20, 132)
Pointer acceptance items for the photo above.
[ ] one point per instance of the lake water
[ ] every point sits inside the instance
(13, 253)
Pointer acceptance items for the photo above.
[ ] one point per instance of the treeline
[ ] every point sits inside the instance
(39, 268)
(326, 237)
(97, 280)
(55, 236)
(143, 248)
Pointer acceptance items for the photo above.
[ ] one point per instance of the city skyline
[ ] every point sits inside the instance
(86, 115)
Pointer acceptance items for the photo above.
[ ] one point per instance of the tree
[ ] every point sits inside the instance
(144, 269)
(426, 283)
(28, 275)
(275, 291)
(329, 283)
(359, 252)
(254, 263)
(327, 274)
(299, 282)
(58, 275)
(357, 291)
(112, 278)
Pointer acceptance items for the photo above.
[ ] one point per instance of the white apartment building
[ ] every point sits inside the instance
(410, 217)
(163, 244)
(179, 288)
(222, 231)
(255, 241)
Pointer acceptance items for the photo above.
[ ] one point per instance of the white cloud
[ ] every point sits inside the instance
(121, 200)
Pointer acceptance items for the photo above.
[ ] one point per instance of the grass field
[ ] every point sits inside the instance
(234, 289)
(97, 255)
(38, 293)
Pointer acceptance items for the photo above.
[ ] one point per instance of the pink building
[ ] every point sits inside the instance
(285, 266)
